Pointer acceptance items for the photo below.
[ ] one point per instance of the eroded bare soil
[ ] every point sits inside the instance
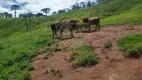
(113, 66)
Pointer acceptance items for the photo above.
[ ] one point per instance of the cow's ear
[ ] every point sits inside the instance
(71, 21)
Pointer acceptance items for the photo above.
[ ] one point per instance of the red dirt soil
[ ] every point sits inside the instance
(113, 66)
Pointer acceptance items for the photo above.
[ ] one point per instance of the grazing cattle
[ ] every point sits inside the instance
(63, 24)
(93, 21)
(83, 25)
(66, 24)
(54, 29)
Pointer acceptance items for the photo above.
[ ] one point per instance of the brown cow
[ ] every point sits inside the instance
(93, 21)
(82, 25)
(66, 24)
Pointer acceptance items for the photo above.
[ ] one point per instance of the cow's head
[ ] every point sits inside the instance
(85, 20)
(73, 23)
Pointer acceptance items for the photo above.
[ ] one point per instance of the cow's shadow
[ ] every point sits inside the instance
(66, 38)
(91, 31)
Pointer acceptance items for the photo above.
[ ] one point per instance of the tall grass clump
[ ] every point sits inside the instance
(84, 56)
(131, 45)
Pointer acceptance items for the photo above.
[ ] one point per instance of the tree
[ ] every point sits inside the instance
(66, 9)
(39, 14)
(83, 5)
(73, 7)
(93, 3)
(15, 8)
(21, 15)
(6, 14)
(88, 3)
(61, 11)
(77, 6)
(46, 10)
(99, 1)
(54, 13)
(2, 15)
(10, 16)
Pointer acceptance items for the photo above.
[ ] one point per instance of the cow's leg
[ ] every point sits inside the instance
(85, 28)
(77, 28)
(98, 26)
(53, 33)
(61, 32)
(71, 32)
(89, 27)
(81, 28)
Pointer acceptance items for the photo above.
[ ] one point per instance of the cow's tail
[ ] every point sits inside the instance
(98, 23)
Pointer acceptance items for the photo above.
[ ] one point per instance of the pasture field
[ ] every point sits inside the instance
(18, 47)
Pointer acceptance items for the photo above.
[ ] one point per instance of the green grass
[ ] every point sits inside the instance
(17, 52)
(108, 45)
(30, 68)
(83, 57)
(17, 47)
(131, 45)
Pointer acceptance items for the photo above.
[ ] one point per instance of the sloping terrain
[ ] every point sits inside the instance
(112, 66)
(111, 12)
(18, 47)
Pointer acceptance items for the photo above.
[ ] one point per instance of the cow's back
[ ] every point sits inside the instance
(65, 24)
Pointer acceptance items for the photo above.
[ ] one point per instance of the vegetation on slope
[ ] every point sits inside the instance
(84, 56)
(17, 52)
(131, 45)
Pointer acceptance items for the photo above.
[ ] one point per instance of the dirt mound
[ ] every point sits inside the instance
(113, 66)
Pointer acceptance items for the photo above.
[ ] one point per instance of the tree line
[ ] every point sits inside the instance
(77, 5)
(6, 15)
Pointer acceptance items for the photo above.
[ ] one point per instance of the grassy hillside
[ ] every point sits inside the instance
(17, 47)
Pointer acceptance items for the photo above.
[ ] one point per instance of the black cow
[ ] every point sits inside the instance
(93, 21)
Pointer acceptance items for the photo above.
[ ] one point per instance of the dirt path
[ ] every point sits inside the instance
(113, 66)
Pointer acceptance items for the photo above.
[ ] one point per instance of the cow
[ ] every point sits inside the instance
(54, 29)
(93, 21)
(67, 24)
(82, 25)
(63, 24)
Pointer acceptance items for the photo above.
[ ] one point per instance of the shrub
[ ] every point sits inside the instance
(58, 49)
(131, 45)
(30, 68)
(24, 76)
(1, 47)
(84, 56)
(108, 45)
(45, 50)
(47, 55)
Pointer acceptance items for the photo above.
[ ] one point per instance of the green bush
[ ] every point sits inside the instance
(108, 45)
(45, 50)
(48, 54)
(24, 76)
(84, 56)
(30, 68)
(58, 49)
(131, 45)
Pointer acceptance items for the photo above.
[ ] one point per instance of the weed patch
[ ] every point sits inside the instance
(108, 45)
(84, 56)
(131, 45)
